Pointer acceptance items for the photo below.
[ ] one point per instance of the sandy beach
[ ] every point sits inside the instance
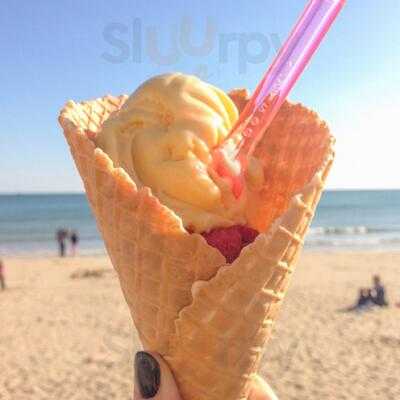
(66, 332)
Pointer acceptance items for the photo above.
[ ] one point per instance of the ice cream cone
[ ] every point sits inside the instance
(208, 319)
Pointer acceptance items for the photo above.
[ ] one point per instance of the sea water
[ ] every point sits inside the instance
(359, 220)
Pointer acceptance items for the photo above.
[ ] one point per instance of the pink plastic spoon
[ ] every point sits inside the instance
(272, 91)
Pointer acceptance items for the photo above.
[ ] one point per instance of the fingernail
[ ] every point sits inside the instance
(147, 372)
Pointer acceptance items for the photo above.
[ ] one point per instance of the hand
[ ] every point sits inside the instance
(154, 380)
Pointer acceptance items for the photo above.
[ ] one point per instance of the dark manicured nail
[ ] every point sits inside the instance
(147, 372)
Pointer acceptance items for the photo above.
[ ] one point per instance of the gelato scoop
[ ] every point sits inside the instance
(163, 137)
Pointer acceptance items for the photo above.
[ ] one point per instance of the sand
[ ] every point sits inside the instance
(64, 338)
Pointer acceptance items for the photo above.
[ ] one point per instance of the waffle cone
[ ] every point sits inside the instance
(208, 319)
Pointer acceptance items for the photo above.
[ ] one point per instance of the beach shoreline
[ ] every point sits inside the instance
(66, 331)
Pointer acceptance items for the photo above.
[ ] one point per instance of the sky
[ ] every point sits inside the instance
(53, 51)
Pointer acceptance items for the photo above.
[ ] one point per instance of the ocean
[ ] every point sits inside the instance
(352, 220)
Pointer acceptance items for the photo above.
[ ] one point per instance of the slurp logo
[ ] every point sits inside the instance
(137, 43)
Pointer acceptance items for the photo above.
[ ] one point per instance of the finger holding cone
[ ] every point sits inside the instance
(208, 319)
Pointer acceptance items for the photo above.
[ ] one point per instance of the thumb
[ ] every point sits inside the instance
(153, 378)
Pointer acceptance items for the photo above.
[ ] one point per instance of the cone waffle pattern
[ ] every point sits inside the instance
(213, 339)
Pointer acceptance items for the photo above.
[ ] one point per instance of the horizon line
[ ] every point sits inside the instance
(72, 192)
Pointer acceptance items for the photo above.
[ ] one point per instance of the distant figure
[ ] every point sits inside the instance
(2, 277)
(364, 300)
(61, 237)
(74, 238)
(379, 296)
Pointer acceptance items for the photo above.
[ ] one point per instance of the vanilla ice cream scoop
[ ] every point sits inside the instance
(163, 137)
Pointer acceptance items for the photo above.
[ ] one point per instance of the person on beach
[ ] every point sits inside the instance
(2, 277)
(61, 236)
(379, 296)
(365, 300)
(74, 239)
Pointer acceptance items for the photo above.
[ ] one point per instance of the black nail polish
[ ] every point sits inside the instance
(147, 371)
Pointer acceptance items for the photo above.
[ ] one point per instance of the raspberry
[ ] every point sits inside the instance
(230, 241)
